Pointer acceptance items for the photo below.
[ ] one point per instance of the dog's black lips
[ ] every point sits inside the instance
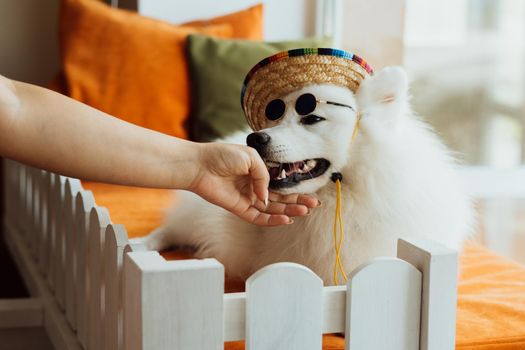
(320, 168)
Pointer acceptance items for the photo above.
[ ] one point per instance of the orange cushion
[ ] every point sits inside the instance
(139, 209)
(491, 302)
(127, 65)
(247, 24)
(491, 290)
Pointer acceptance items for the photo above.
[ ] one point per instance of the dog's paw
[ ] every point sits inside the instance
(386, 88)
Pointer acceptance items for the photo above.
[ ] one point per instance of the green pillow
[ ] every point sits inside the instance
(217, 69)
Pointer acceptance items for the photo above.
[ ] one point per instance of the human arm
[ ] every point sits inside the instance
(52, 132)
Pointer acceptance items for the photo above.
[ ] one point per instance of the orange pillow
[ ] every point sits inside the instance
(127, 65)
(247, 24)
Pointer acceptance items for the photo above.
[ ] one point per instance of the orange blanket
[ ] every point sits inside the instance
(491, 291)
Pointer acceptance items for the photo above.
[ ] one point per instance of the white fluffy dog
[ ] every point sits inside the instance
(399, 180)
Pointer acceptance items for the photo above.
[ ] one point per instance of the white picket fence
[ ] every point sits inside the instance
(98, 291)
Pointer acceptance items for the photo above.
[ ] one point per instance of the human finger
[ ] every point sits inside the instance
(279, 208)
(259, 175)
(257, 217)
(295, 198)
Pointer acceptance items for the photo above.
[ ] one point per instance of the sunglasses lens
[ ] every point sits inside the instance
(305, 104)
(275, 109)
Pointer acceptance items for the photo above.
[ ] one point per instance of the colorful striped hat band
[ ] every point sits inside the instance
(285, 72)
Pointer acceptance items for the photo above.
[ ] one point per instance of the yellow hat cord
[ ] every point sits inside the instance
(338, 219)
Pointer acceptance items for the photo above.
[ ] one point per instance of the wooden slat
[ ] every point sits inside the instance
(195, 289)
(21, 200)
(234, 316)
(98, 222)
(37, 210)
(28, 205)
(84, 202)
(53, 210)
(115, 240)
(135, 247)
(56, 325)
(439, 266)
(383, 306)
(334, 309)
(132, 246)
(284, 308)
(60, 244)
(72, 188)
(23, 312)
(44, 220)
(334, 313)
(42, 214)
(33, 219)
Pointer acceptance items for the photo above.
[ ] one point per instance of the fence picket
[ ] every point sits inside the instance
(98, 222)
(60, 247)
(234, 316)
(53, 216)
(334, 309)
(28, 205)
(438, 303)
(115, 240)
(33, 219)
(135, 247)
(41, 222)
(72, 188)
(21, 194)
(84, 202)
(284, 304)
(383, 306)
(44, 223)
(195, 289)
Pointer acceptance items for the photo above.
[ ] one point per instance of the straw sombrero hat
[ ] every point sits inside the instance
(287, 71)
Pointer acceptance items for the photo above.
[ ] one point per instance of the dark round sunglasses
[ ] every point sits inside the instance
(304, 105)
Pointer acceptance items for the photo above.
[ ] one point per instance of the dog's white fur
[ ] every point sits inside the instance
(399, 180)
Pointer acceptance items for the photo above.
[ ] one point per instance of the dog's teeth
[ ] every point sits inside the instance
(283, 174)
(311, 163)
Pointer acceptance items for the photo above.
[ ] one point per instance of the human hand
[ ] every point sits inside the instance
(235, 178)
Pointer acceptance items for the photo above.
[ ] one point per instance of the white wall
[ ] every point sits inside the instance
(374, 30)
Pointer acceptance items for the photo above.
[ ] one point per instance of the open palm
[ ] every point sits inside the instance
(235, 178)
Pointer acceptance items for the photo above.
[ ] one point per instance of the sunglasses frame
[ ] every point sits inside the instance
(317, 101)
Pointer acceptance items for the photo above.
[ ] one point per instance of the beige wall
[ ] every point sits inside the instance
(29, 39)
(374, 30)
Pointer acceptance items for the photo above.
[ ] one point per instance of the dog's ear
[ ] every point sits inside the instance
(386, 89)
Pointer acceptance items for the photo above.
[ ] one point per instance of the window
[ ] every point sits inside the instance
(466, 59)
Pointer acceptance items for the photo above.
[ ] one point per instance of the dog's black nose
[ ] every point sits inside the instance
(258, 140)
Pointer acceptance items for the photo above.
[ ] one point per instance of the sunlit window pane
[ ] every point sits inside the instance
(466, 59)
